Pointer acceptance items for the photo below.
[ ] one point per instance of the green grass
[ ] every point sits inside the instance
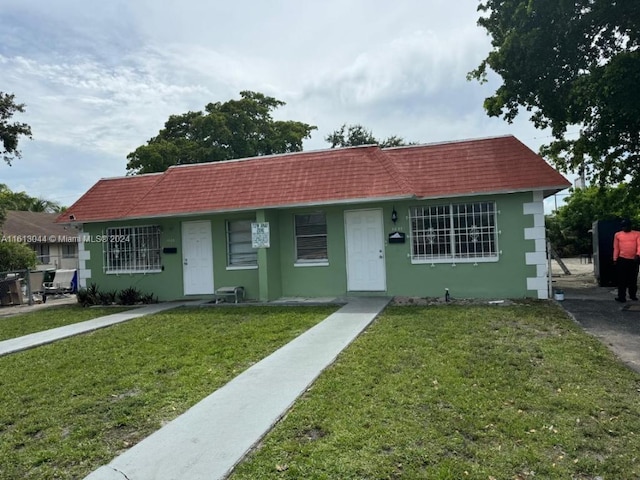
(50, 317)
(457, 392)
(71, 406)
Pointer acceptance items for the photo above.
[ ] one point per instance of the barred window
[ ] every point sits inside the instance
(240, 253)
(454, 232)
(311, 238)
(132, 249)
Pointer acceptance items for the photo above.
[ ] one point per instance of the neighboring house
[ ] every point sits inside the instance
(56, 245)
(410, 221)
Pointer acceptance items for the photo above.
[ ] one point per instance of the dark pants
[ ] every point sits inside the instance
(627, 273)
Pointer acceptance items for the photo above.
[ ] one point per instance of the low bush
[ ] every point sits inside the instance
(129, 296)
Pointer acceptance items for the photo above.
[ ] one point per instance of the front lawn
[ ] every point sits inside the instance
(71, 406)
(457, 392)
(50, 317)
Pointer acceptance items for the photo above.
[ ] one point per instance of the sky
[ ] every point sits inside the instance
(99, 79)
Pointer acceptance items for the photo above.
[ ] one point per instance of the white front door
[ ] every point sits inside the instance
(365, 250)
(197, 258)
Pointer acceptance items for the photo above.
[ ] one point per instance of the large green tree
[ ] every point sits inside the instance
(10, 132)
(575, 65)
(569, 228)
(223, 131)
(354, 135)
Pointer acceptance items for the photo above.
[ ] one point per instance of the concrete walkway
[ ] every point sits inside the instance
(207, 441)
(47, 336)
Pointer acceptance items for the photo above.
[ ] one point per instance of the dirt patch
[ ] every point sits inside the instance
(454, 301)
(582, 274)
(312, 434)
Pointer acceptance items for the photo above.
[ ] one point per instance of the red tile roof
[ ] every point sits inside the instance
(491, 165)
(110, 198)
(494, 165)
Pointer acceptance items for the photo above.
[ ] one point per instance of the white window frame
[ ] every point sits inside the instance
(240, 239)
(132, 249)
(302, 237)
(454, 233)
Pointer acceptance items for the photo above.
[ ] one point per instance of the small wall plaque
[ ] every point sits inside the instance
(260, 235)
(170, 250)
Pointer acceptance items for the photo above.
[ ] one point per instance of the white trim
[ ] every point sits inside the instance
(311, 264)
(532, 208)
(538, 257)
(131, 272)
(535, 233)
(453, 261)
(84, 273)
(535, 258)
(245, 267)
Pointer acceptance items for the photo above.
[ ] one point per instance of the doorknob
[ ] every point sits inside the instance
(186, 261)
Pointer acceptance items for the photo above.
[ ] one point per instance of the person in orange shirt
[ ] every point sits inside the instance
(626, 254)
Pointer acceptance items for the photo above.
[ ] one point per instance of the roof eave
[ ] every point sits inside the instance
(546, 191)
(251, 208)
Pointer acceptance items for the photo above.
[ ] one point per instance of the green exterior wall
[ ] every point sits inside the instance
(278, 276)
(505, 278)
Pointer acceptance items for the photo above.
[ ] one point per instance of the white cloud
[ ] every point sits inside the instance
(101, 78)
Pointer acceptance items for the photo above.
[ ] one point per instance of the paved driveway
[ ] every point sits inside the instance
(594, 308)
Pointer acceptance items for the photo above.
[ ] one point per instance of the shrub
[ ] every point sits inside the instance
(16, 256)
(83, 297)
(89, 296)
(108, 298)
(129, 296)
(147, 298)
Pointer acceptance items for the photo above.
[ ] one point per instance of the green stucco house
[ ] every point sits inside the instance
(409, 221)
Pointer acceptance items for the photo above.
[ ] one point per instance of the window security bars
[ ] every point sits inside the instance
(311, 238)
(132, 249)
(454, 232)
(240, 253)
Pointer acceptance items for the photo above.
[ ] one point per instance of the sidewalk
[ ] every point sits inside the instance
(11, 310)
(207, 441)
(47, 336)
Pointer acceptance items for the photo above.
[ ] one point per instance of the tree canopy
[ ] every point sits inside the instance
(16, 256)
(569, 228)
(354, 135)
(223, 131)
(575, 65)
(10, 200)
(10, 132)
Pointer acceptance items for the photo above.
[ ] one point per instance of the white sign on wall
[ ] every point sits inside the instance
(260, 235)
